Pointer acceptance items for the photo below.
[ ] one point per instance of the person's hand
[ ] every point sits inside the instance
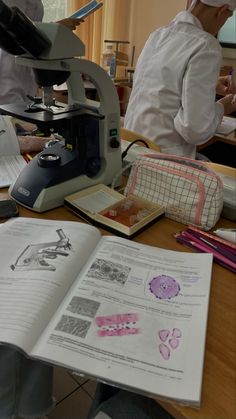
(70, 23)
(229, 103)
(225, 86)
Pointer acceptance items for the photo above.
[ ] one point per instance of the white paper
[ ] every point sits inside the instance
(8, 140)
(227, 126)
(10, 168)
(37, 268)
(11, 162)
(96, 202)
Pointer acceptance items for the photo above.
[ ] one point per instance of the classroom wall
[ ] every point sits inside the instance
(134, 20)
(148, 15)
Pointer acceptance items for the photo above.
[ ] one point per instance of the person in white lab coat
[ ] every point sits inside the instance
(173, 97)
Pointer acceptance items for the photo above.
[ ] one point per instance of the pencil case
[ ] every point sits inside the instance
(190, 192)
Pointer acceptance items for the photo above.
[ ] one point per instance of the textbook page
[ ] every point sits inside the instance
(11, 162)
(9, 145)
(136, 317)
(10, 168)
(227, 125)
(39, 261)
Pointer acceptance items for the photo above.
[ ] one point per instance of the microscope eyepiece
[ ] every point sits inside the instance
(18, 34)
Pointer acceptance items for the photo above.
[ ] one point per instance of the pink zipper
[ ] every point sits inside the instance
(182, 160)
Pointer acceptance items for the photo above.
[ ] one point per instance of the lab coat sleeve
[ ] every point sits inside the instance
(199, 115)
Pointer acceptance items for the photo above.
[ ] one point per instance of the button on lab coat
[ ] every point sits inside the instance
(173, 96)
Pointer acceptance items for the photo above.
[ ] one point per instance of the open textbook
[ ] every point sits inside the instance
(119, 311)
(11, 161)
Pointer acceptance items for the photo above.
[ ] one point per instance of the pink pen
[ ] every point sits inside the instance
(206, 249)
(217, 247)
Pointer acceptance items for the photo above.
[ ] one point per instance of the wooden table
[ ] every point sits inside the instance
(219, 379)
(227, 139)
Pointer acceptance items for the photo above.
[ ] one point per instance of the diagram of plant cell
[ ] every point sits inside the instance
(109, 271)
(170, 340)
(164, 287)
(117, 325)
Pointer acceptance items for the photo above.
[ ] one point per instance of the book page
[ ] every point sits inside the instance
(136, 317)
(96, 201)
(8, 140)
(227, 126)
(11, 162)
(39, 261)
(10, 168)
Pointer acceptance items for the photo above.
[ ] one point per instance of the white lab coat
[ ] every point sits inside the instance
(173, 97)
(16, 81)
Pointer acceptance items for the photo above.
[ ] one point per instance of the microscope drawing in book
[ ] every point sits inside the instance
(89, 152)
(35, 257)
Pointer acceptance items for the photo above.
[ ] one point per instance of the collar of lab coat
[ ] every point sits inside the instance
(187, 17)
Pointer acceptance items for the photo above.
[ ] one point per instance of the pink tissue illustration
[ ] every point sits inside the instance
(163, 334)
(117, 325)
(164, 287)
(174, 336)
(164, 351)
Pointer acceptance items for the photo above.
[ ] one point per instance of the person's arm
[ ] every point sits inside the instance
(199, 115)
(31, 144)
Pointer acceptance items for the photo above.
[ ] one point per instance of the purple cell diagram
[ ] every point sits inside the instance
(164, 287)
(170, 340)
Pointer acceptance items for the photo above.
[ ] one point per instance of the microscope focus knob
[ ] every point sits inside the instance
(49, 160)
(93, 166)
(114, 142)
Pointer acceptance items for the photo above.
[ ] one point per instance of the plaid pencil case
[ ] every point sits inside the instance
(191, 193)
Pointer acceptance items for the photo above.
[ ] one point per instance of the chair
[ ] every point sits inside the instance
(130, 136)
(123, 92)
(224, 170)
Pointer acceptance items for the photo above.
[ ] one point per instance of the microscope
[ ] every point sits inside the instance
(89, 152)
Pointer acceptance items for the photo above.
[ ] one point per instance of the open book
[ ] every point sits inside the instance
(87, 9)
(11, 161)
(107, 208)
(116, 310)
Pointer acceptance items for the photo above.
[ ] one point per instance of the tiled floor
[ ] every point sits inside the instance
(74, 395)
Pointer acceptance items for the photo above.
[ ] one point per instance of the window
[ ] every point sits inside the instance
(54, 10)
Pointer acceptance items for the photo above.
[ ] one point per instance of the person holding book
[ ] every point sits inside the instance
(173, 97)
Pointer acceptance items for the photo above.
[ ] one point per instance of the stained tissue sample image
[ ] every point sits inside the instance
(106, 270)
